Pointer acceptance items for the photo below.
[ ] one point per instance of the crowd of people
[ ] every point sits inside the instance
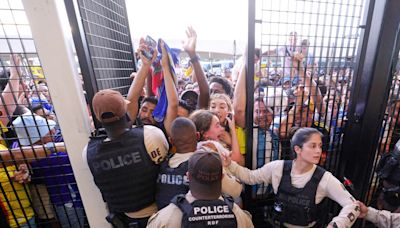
(173, 151)
(37, 181)
(201, 121)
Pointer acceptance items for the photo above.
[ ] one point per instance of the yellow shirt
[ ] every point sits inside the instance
(241, 137)
(14, 198)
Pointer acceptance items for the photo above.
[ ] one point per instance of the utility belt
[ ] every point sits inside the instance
(274, 216)
(120, 220)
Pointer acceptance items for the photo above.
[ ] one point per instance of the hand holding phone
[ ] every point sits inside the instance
(151, 45)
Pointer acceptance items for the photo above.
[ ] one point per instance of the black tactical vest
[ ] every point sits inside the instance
(297, 206)
(206, 213)
(123, 171)
(171, 182)
(388, 168)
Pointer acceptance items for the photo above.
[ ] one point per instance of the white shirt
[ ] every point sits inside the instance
(329, 186)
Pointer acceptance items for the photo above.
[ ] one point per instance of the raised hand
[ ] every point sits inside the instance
(144, 47)
(226, 160)
(15, 64)
(165, 57)
(231, 123)
(22, 175)
(190, 44)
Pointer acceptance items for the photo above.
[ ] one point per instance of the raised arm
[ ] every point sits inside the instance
(236, 155)
(239, 98)
(172, 94)
(190, 47)
(149, 85)
(139, 81)
(288, 121)
(10, 92)
(315, 93)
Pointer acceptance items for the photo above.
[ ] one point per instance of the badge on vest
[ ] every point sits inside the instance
(204, 213)
(210, 213)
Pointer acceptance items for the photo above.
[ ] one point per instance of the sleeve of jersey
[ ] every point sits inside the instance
(258, 176)
(383, 218)
(337, 192)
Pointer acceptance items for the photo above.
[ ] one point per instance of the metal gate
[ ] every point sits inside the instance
(329, 65)
(37, 184)
(103, 44)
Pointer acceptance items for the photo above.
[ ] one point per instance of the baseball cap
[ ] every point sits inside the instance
(30, 128)
(286, 79)
(109, 105)
(155, 140)
(190, 97)
(205, 171)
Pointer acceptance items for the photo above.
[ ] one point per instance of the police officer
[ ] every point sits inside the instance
(300, 185)
(388, 171)
(124, 164)
(203, 205)
(172, 179)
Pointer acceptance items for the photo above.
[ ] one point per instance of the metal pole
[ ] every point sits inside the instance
(249, 95)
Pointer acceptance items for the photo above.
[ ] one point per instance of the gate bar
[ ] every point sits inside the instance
(369, 94)
(50, 29)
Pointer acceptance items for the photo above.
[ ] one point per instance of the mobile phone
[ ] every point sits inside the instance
(227, 128)
(152, 45)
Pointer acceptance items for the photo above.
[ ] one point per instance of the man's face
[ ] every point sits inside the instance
(146, 113)
(216, 88)
(262, 115)
(181, 88)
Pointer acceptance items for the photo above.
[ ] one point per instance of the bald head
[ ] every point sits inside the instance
(183, 135)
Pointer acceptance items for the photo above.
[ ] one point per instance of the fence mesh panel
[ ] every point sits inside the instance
(37, 185)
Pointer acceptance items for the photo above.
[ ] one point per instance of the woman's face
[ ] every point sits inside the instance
(220, 108)
(311, 150)
(215, 130)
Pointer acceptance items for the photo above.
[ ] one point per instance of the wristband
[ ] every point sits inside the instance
(194, 59)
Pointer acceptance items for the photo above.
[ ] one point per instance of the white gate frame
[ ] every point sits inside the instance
(53, 40)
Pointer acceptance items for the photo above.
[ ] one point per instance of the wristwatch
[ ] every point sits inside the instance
(194, 59)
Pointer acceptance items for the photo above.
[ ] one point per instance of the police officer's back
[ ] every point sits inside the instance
(124, 164)
(203, 205)
(388, 171)
(172, 178)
